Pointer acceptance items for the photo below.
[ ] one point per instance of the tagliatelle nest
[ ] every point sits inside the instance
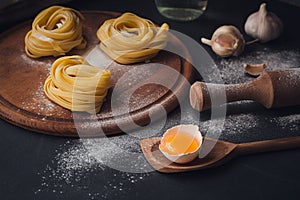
(131, 39)
(76, 85)
(55, 31)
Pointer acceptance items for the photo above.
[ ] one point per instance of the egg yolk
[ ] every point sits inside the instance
(180, 143)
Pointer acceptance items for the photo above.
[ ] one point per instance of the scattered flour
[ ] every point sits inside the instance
(77, 160)
(232, 70)
(234, 124)
(289, 123)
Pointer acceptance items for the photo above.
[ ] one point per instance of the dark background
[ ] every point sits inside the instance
(27, 158)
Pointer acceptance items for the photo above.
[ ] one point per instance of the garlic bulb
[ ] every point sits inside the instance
(263, 25)
(226, 41)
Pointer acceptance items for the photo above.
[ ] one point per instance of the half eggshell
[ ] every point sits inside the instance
(182, 158)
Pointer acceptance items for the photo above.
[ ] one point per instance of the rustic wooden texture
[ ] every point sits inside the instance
(220, 153)
(23, 102)
(271, 89)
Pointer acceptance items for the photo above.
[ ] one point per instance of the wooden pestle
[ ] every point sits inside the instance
(271, 89)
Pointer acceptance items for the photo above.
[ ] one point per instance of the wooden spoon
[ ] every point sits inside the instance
(222, 152)
(271, 89)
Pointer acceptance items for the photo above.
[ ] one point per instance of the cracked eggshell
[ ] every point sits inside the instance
(254, 69)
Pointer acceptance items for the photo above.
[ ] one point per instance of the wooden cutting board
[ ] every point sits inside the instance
(23, 102)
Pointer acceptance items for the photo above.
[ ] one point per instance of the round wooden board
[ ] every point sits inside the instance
(23, 102)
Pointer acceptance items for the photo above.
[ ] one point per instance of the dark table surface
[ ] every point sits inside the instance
(37, 166)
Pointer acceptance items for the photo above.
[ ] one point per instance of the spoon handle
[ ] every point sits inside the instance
(268, 145)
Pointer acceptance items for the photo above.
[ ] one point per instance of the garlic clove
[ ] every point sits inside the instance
(263, 25)
(226, 41)
(254, 69)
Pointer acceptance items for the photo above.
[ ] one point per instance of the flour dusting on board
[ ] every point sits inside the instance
(39, 103)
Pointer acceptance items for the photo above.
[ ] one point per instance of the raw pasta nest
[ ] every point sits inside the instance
(131, 39)
(76, 85)
(55, 31)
